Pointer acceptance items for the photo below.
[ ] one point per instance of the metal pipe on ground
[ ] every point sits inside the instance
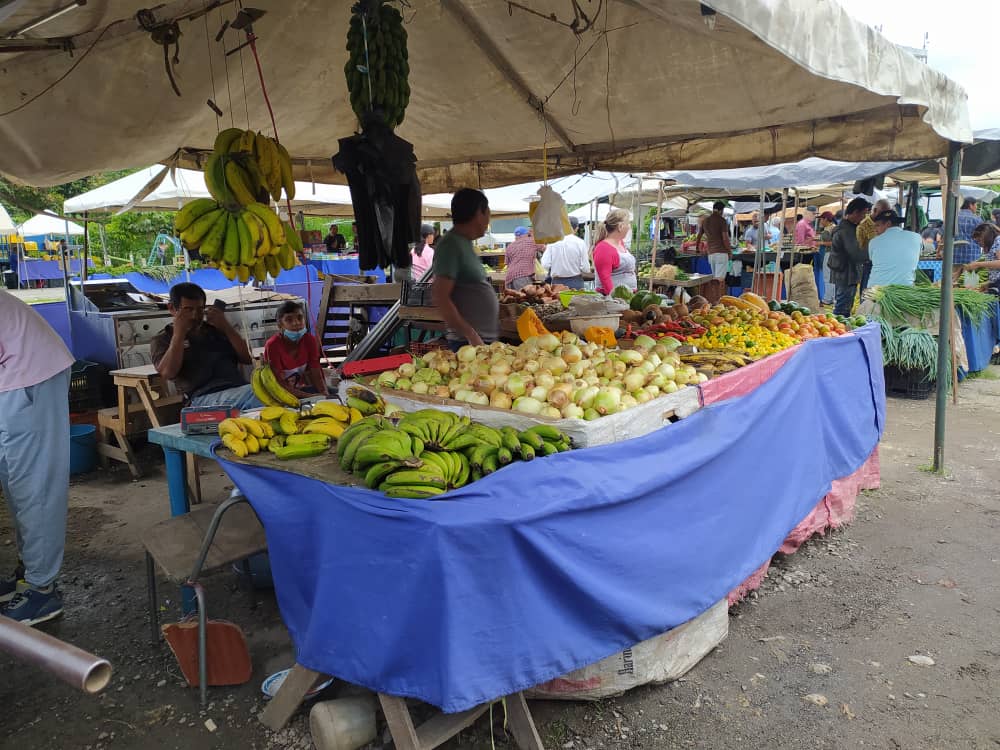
(73, 665)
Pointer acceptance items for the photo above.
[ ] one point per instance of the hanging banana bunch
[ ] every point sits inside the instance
(235, 230)
(378, 72)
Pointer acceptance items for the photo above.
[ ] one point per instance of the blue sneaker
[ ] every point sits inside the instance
(33, 606)
(11, 584)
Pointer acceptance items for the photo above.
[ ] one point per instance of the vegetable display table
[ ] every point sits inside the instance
(544, 567)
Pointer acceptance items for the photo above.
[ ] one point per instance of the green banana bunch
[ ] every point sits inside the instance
(365, 401)
(377, 69)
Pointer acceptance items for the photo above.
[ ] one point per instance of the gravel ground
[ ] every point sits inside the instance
(822, 656)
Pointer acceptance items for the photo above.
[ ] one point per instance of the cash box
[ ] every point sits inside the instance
(204, 420)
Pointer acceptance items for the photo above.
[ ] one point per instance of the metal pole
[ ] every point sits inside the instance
(656, 234)
(944, 330)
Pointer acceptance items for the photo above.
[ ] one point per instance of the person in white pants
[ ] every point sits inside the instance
(34, 457)
(716, 232)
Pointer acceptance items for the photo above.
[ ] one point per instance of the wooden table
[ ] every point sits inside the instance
(154, 408)
(406, 735)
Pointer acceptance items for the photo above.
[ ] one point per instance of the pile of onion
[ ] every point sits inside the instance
(556, 376)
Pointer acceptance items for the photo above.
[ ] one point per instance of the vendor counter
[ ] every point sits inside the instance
(544, 567)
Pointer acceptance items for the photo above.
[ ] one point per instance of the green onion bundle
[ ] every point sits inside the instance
(916, 349)
(974, 305)
(899, 303)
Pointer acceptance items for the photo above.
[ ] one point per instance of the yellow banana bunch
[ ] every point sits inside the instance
(235, 230)
(270, 392)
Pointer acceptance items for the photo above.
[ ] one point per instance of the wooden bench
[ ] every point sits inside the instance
(144, 402)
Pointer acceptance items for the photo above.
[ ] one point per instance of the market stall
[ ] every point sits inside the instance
(515, 578)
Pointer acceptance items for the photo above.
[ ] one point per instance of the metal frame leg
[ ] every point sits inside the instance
(154, 620)
(199, 593)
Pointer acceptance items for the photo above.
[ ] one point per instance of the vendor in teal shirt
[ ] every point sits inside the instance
(462, 293)
(894, 251)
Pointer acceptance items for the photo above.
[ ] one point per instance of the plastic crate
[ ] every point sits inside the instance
(88, 384)
(420, 348)
(907, 383)
(416, 294)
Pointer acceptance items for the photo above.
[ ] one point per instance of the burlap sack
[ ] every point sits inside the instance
(800, 281)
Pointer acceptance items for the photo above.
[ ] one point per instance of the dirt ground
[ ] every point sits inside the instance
(916, 574)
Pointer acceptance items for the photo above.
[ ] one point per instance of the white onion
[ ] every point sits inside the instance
(527, 405)
(539, 392)
(467, 353)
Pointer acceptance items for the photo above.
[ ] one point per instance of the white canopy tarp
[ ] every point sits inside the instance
(175, 187)
(6, 225)
(46, 223)
(808, 172)
(587, 212)
(812, 81)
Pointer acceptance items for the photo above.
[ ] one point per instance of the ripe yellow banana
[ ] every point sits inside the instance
(225, 139)
(331, 409)
(247, 248)
(191, 211)
(325, 426)
(235, 444)
(252, 443)
(228, 271)
(238, 182)
(211, 246)
(287, 178)
(243, 273)
(252, 426)
(272, 412)
(231, 427)
(277, 391)
(231, 242)
(195, 233)
(270, 220)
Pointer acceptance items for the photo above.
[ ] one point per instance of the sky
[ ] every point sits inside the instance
(961, 36)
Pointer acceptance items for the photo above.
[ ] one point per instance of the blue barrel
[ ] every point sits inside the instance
(82, 448)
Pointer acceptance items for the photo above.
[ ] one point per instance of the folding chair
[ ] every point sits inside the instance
(173, 543)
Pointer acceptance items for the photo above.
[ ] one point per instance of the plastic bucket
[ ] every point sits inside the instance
(82, 448)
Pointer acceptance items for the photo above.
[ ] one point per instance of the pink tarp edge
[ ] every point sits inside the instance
(836, 509)
(740, 382)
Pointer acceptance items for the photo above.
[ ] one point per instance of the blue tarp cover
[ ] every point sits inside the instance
(547, 566)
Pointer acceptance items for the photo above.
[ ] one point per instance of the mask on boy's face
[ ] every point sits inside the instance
(293, 335)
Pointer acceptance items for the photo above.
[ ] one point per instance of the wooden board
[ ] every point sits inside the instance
(366, 293)
(420, 313)
(323, 467)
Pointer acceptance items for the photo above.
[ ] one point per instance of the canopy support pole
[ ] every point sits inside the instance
(656, 234)
(776, 282)
(954, 168)
(86, 249)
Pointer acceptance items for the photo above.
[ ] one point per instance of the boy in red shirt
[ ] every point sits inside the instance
(293, 353)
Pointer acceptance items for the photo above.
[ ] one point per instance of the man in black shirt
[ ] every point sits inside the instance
(335, 241)
(201, 352)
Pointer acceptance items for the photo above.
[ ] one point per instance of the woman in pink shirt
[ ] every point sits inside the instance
(423, 253)
(614, 265)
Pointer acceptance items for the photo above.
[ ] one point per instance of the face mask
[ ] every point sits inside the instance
(293, 336)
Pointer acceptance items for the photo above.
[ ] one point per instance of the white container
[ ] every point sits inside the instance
(344, 723)
(579, 325)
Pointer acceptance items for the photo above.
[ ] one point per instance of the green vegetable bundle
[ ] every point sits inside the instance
(900, 304)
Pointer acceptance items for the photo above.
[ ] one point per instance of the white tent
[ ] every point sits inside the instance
(160, 188)
(46, 223)
(587, 212)
(812, 81)
(6, 225)
(153, 189)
